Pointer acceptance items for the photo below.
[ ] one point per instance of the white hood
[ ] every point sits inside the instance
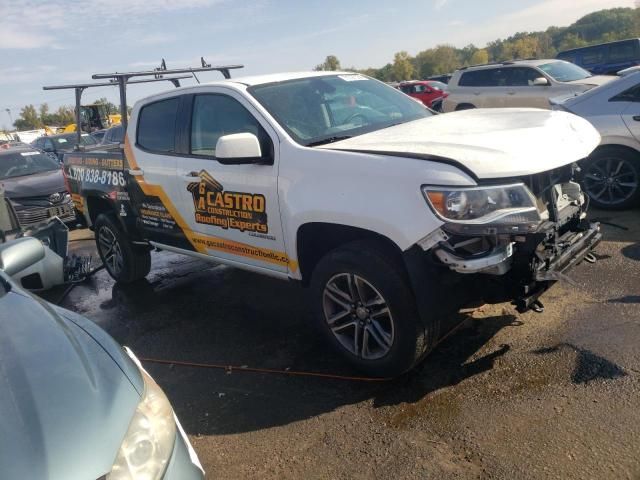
(491, 143)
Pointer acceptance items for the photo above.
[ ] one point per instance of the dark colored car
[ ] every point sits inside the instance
(441, 78)
(73, 403)
(58, 145)
(427, 91)
(98, 135)
(34, 183)
(113, 135)
(605, 58)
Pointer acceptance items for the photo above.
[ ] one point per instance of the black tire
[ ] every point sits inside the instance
(365, 260)
(465, 106)
(611, 178)
(134, 262)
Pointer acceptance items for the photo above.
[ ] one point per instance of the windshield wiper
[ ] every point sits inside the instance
(324, 141)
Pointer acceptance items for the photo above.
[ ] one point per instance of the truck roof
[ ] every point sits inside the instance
(248, 81)
(280, 77)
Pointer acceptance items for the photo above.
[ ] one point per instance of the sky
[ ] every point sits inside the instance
(49, 42)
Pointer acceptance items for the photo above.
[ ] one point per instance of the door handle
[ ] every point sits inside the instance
(636, 118)
(511, 93)
(191, 176)
(136, 172)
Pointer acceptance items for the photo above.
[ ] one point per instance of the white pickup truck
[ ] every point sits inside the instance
(389, 213)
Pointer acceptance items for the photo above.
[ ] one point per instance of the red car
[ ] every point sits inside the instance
(427, 91)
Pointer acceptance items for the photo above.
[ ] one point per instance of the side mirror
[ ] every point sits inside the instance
(540, 82)
(20, 254)
(238, 149)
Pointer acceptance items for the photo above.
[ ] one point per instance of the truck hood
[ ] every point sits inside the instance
(65, 402)
(489, 143)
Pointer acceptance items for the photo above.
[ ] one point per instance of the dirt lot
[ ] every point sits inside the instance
(552, 395)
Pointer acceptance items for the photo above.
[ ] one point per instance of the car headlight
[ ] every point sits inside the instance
(501, 204)
(148, 444)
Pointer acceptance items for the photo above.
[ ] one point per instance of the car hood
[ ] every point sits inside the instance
(594, 81)
(65, 401)
(43, 183)
(488, 143)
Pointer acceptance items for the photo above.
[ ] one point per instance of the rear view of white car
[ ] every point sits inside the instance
(611, 174)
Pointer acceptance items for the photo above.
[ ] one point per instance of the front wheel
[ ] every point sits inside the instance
(365, 306)
(124, 261)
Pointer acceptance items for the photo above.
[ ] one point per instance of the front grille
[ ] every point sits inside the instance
(30, 216)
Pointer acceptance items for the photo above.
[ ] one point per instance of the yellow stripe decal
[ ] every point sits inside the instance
(202, 243)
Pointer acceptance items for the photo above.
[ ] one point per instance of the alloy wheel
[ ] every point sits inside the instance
(358, 316)
(610, 180)
(110, 250)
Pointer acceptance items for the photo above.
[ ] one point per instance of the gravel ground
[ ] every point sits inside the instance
(551, 395)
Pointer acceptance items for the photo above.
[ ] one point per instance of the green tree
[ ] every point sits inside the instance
(571, 40)
(331, 63)
(402, 67)
(28, 119)
(479, 57)
(112, 108)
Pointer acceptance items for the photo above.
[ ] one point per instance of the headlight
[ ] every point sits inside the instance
(148, 444)
(502, 204)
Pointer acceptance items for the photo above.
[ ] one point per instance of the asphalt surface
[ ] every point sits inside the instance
(551, 395)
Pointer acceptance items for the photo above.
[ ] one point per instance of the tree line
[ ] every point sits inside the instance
(597, 27)
(32, 118)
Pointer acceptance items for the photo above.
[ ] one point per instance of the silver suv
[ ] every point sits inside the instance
(520, 83)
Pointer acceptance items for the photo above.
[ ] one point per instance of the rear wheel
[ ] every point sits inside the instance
(611, 178)
(124, 261)
(365, 306)
(464, 106)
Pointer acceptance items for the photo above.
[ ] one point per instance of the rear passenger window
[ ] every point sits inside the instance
(157, 125)
(477, 78)
(218, 115)
(630, 95)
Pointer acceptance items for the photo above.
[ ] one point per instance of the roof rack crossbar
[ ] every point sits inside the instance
(224, 69)
(123, 78)
(79, 88)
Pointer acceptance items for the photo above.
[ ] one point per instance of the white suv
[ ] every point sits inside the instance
(520, 83)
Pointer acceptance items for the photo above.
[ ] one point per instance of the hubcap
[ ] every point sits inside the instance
(610, 180)
(358, 316)
(110, 250)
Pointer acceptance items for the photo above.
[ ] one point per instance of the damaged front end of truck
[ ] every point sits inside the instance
(514, 239)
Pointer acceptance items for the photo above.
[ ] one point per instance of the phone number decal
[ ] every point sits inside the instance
(95, 175)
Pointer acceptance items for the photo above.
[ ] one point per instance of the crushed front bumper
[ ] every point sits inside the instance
(572, 254)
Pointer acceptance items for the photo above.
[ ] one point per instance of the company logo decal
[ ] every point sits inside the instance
(237, 210)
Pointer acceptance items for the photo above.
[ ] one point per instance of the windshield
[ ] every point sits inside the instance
(320, 110)
(439, 86)
(18, 164)
(564, 71)
(63, 143)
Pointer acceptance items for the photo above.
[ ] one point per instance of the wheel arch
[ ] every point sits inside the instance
(316, 239)
(617, 146)
(96, 205)
(464, 106)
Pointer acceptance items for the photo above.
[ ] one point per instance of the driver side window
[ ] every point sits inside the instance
(217, 115)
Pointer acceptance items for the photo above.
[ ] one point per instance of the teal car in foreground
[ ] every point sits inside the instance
(73, 403)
